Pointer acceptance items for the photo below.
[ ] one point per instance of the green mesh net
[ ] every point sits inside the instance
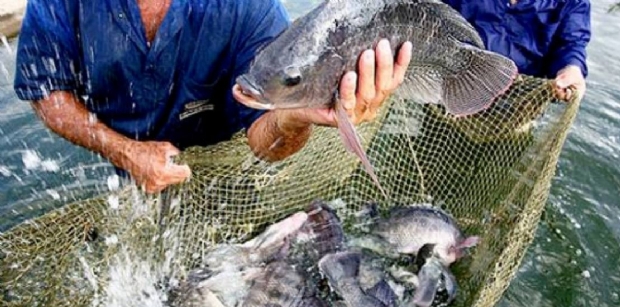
(491, 171)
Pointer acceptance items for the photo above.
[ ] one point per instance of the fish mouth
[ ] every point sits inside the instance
(254, 97)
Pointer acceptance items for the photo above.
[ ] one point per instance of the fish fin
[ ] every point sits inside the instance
(450, 284)
(340, 266)
(486, 75)
(384, 293)
(456, 25)
(352, 142)
(429, 278)
(469, 242)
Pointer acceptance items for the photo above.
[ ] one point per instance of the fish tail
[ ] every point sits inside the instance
(487, 76)
(352, 142)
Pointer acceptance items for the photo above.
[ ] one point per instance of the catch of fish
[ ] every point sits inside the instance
(308, 260)
(449, 66)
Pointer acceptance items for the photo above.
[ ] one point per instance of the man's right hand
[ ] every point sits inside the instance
(150, 165)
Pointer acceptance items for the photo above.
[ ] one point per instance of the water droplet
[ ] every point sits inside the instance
(5, 42)
(111, 240)
(54, 194)
(585, 274)
(113, 182)
(31, 159)
(113, 202)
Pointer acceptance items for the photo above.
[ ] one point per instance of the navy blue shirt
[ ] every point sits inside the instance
(542, 37)
(177, 90)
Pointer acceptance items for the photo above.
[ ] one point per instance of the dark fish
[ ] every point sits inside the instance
(342, 271)
(302, 67)
(281, 285)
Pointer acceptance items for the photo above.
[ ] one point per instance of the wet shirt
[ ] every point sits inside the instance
(177, 89)
(542, 37)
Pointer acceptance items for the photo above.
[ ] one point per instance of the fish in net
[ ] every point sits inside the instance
(491, 171)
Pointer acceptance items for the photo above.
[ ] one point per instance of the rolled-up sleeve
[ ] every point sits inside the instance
(47, 51)
(572, 38)
(262, 21)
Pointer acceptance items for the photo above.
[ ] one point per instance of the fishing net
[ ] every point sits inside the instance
(492, 171)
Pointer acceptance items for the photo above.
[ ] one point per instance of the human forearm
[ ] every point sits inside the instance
(278, 134)
(67, 117)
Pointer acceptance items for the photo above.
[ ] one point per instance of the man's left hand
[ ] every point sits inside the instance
(569, 79)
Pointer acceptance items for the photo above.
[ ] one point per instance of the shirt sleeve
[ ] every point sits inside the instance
(572, 38)
(47, 51)
(262, 21)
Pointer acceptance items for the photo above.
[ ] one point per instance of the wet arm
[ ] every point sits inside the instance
(66, 116)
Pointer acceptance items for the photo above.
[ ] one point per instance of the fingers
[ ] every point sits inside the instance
(402, 63)
(385, 68)
(347, 92)
(153, 169)
(367, 78)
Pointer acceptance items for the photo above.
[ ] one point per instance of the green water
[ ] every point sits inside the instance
(574, 261)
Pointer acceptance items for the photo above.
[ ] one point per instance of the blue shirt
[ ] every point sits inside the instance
(178, 89)
(541, 36)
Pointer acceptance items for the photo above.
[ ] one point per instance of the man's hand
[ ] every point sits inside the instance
(379, 76)
(282, 132)
(569, 79)
(151, 166)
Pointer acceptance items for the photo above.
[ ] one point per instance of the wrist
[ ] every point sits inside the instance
(120, 152)
(292, 121)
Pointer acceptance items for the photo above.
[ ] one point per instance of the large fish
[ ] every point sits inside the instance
(302, 67)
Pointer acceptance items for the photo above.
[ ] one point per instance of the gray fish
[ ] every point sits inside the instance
(302, 67)
(342, 270)
(227, 270)
(280, 285)
(408, 228)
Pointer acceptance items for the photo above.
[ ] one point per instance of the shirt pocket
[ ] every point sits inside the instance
(200, 98)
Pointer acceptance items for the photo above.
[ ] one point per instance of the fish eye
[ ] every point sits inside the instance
(292, 76)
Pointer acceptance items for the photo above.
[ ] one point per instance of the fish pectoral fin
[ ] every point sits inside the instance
(352, 141)
(429, 278)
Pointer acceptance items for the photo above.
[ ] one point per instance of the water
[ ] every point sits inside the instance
(574, 260)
